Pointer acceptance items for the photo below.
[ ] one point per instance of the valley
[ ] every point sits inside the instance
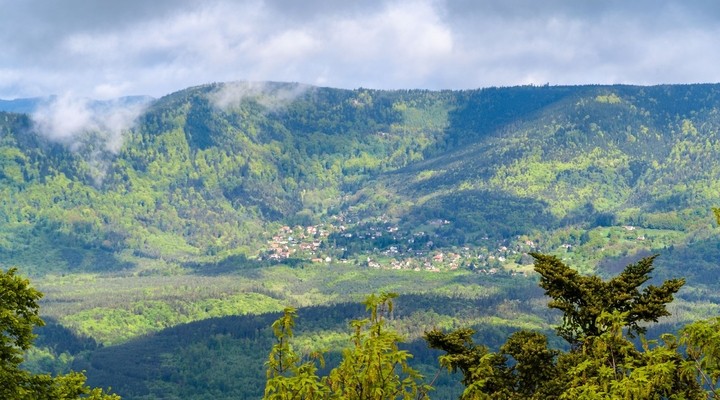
(223, 203)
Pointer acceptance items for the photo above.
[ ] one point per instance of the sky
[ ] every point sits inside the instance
(106, 49)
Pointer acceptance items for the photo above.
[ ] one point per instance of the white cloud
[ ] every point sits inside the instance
(93, 129)
(395, 47)
(268, 94)
(64, 118)
(140, 47)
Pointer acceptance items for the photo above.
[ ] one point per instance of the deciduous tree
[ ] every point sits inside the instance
(19, 314)
(372, 368)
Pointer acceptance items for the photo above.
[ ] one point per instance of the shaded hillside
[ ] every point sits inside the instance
(224, 358)
(595, 156)
(209, 172)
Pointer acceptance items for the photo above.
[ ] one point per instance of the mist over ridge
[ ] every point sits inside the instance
(214, 168)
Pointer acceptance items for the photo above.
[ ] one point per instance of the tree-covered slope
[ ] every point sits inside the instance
(340, 186)
(588, 157)
(225, 357)
(211, 172)
(628, 151)
(203, 172)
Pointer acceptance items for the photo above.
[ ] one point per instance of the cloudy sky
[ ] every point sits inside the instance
(104, 49)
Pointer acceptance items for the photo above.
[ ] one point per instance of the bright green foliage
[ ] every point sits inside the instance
(18, 316)
(602, 362)
(19, 313)
(287, 379)
(372, 368)
(582, 299)
(224, 357)
(610, 367)
(113, 324)
(702, 342)
(197, 181)
(716, 211)
(64, 387)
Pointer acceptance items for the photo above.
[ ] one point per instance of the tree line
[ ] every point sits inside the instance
(603, 324)
(606, 357)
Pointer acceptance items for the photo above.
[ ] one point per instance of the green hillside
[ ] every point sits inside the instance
(237, 199)
(210, 172)
(583, 160)
(194, 181)
(617, 150)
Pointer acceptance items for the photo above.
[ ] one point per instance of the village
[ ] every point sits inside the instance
(383, 245)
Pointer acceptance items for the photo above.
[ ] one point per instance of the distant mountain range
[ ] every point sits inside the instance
(30, 104)
(206, 175)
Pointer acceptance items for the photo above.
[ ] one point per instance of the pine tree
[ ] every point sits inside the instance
(582, 299)
(599, 318)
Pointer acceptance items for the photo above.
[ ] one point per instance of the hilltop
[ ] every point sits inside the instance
(154, 226)
(212, 173)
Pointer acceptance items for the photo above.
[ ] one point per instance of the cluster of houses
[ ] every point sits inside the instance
(381, 244)
(299, 242)
(313, 244)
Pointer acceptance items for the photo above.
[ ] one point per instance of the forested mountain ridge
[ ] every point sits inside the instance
(209, 172)
(606, 148)
(142, 228)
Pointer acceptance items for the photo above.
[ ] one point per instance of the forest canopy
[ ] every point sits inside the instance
(19, 314)
(600, 319)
